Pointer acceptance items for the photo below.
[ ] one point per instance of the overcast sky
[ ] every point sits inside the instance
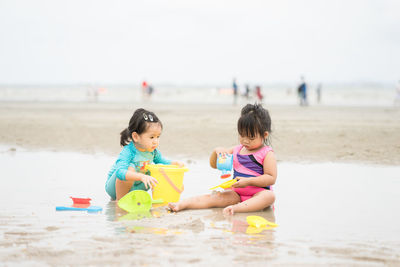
(197, 42)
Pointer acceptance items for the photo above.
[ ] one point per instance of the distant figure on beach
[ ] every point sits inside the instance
(318, 92)
(254, 166)
(247, 92)
(302, 92)
(397, 99)
(147, 90)
(259, 94)
(144, 89)
(92, 93)
(235, 91)
(150, 90)
(140, 141)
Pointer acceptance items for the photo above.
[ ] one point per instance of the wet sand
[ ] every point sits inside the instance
(328, 213)
(336, 190)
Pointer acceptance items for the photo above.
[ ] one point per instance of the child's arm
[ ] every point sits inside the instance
(267, 179)
(126, 173)
(122, 163)
(133, 175)
(216, 152)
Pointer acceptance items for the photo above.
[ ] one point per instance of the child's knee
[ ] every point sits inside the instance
(268, 196)
(271, 196)
(218, 196)
(212, 199)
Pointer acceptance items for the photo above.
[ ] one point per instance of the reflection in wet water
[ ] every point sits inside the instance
(337, 213)
(138, 222)
(134, 216)
(238, 223)
(133, 222)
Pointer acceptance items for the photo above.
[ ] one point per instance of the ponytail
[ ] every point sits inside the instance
(125, 137)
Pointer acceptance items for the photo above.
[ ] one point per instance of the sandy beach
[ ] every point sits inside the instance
(72, 73)
(338, 170)
(192, 131)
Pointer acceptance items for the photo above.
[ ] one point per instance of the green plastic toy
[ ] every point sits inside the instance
(137, 201)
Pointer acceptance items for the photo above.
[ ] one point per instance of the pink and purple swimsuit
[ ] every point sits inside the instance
(250, 165)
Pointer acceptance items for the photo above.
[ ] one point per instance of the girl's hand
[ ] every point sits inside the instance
(220, 151)
(180, 164)
(242, 182)
(148, 181)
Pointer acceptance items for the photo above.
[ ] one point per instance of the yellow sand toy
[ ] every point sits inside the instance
(225, 185)
(258, 222)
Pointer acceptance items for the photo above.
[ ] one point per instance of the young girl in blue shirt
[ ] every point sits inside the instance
(140, 141)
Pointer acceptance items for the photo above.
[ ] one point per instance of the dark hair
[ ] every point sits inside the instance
(254, 120)
(138, 123)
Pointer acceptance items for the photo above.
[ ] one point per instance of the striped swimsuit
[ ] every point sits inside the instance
(250, 165)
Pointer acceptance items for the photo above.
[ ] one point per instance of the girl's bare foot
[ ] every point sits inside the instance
(229, 210)
(174, 207)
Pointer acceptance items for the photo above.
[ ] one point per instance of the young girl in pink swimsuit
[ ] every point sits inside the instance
(254, 167)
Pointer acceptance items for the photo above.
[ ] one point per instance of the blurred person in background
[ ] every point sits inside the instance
(144, 89)
(302, 92)
(259, 94)
(235, 91)
(247, 92)
(150, 90)
(319, 91)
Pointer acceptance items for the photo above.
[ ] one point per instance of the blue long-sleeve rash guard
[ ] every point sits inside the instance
(131, 157)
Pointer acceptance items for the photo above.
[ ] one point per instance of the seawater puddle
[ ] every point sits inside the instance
(323, 209)
(338, 201)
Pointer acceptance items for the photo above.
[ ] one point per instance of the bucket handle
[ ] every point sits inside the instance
(170, 182)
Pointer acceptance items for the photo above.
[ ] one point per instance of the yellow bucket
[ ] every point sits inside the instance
(170, 182)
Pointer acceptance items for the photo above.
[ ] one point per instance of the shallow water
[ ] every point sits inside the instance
(283, 94)
(327, 213)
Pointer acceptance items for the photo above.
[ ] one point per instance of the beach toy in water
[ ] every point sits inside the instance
(77, 200)
(227, 184)
(259, 222)
(80, 204)
(89, 209)
(137, 201)
(170, 182)
(224, 164)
